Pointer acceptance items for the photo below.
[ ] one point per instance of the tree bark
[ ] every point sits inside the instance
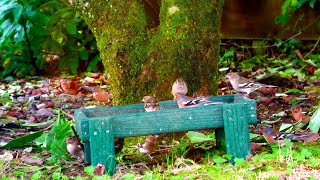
(145, 60)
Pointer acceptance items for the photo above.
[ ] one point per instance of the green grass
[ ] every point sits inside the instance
(179, 163)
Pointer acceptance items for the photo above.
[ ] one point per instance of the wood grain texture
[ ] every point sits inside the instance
(236, 130)
(102, 144)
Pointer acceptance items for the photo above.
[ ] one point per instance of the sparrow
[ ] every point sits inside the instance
(244, 85)
(278, 137)
(184, 101)
(99, 170)
(150, 103)
(74, 148)
(179, 86)
(149, 145)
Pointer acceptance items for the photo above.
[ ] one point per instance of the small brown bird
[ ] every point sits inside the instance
(101, 95)
(149, 145)
(74, 148)
(99, 170)
(244, 85)
(188, 102)
(179, 87)
(150, 103)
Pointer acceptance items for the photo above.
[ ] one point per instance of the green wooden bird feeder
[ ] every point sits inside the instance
(98, 127)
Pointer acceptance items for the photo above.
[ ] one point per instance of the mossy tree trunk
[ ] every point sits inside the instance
(143, 54)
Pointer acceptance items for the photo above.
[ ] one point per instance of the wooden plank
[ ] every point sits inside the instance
(172, 120)
(102, 144)
(139, 122)
(231, 120)
(236, 130)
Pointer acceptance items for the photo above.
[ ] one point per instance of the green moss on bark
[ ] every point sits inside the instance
(140, 61)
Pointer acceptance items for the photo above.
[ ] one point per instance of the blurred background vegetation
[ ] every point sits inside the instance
(44, 37)
(47, 37)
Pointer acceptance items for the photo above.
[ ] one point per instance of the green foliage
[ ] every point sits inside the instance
(289, 7)
(36, 175)
(226, 60)
(287, 67)
(21, 141)
(58, 174)
(35, 33)
(314, 124)
(56, 140)
(197, 137)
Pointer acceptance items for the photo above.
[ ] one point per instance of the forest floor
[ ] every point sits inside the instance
(30, 109)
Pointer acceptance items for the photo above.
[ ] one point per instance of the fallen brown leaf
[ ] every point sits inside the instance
(6, 156)
(254, 146)
(31, 160)
(69, 86)
(268, 90)
(298, 115)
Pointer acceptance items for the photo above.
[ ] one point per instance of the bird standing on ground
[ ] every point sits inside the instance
(99, 170)
(74, 148)
(179, 86)
(278, 137)
(271, 136)
(151, 103)
(149, 145)
(244, 85)
(184, 101)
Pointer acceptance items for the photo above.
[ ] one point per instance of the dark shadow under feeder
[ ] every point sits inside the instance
(98, 127)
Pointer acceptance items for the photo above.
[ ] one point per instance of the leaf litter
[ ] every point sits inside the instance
(31, 105)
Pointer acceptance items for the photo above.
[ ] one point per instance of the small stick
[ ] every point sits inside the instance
(257, 167)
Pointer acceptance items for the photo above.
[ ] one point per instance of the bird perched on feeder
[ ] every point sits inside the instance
(244, 85)
(74, 147)
(184, 101)
(179, 86)
(151, 103)
(149, 145)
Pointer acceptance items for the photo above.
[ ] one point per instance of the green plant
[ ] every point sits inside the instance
(288, 7)
(35, 33)
(226, 60)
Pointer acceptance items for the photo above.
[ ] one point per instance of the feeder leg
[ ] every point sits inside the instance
(236, 130)
(87, 152)
(102, 144)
